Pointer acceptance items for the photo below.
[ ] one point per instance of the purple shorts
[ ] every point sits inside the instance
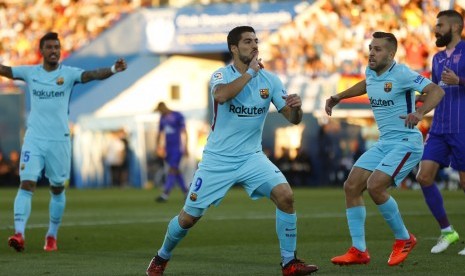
(446, 150)
(173, 158)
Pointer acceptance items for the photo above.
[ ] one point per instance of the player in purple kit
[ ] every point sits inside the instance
(173, 126)
(445, 143)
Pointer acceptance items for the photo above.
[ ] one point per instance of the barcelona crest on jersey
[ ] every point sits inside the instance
(193, 197)
(60, 80)
(264, 93)
(387, 87)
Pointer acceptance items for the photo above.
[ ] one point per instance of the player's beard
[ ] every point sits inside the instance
(445, 39)
(52, 63)
(245, 59)
(379, 66)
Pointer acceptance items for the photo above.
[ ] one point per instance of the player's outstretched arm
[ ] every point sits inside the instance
(103, 73)
(358, 89)
(6, 71)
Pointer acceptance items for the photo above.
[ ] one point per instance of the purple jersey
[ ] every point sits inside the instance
(172, 124)
(448, 114)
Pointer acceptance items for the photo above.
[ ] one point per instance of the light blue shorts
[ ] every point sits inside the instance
(216, 175)
(53, 156)
(395, 158)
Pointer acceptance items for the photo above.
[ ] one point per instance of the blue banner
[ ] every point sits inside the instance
(197, 29)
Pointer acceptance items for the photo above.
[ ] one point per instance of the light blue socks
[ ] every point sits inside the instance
(356, 220)
(391, 214)
(56, 209)
(174, 234)
(22, 210)
(286, 228)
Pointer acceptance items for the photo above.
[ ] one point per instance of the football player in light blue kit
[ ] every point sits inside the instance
(47, 142)
(391, 90)
(242, 93)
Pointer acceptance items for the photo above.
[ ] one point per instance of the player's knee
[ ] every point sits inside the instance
(28, 185)
(424, 179)
(375, 191)
(352, 188)
(56, 190)
(186, 221)
(284, 198)
(287, 200)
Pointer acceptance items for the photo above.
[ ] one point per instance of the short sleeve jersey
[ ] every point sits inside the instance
(237, 124)
(449, 113)
(50, 93)
(391, 95)
(172, 124)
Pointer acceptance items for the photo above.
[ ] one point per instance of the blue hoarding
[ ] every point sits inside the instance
(197, 29)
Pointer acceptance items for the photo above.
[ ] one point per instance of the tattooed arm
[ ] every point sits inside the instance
(6, 71)
(103, 73)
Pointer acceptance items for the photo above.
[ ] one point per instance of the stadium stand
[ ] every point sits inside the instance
(328, 37)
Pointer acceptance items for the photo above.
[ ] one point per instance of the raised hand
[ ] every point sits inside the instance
(256, 63)
(120, 65)
(449, 77)
(330, 103)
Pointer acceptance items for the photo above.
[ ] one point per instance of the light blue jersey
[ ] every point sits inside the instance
(234, 144)
(50, 93)
(391, 95)
(237, 125)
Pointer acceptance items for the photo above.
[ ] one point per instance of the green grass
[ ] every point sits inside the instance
(116, 232)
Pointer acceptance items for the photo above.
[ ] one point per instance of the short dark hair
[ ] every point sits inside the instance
(391, 39)
(48, 36)
(455, 17)
(159, 106)
(235, 34)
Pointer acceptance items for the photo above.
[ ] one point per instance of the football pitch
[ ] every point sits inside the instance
(117, 232)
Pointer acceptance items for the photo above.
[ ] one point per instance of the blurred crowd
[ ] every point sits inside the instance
(22, 23)
(78, 22)
(333, 35)
(327, 36)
